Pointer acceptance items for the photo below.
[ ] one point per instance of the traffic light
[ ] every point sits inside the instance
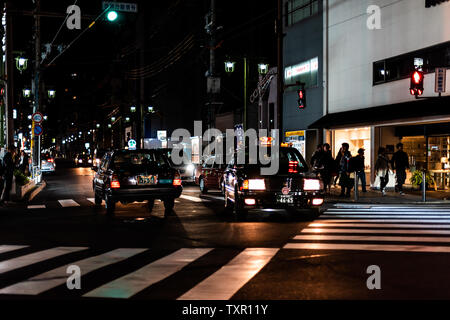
(301, 94)
(112, 15)
(416, 88)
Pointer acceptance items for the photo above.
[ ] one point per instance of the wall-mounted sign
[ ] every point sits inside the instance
(440, 84)
(305, 72)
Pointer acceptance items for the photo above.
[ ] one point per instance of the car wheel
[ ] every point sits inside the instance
(169, 204)
(110, 205)
(98, 198)
(150, 205)
(202, 186)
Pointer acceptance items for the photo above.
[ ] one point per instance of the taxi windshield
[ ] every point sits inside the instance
(287, 157)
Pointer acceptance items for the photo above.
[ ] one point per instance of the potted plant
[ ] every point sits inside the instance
(416, 179)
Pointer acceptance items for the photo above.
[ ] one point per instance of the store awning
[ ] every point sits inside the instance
(420, 108)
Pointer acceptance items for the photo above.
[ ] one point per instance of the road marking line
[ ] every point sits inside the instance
(7, 248)
(194, 199)
(418, 220)
(225, 282)
(381, 231)
(68, 203)
(36, 206)
(152, 273)
(36, 257)
(374, 225)
(91, 200)
(372, 238)
(367, 247)
(58, 276)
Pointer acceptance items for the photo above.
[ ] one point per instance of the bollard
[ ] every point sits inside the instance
(356, 186)
(424, 187)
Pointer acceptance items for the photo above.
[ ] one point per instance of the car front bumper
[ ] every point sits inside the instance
(274, 200)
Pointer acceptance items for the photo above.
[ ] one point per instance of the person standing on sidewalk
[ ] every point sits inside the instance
(327, 163)
(382, 169)
(359, 167)
(344, 170)
(9, 165)
(400, 163)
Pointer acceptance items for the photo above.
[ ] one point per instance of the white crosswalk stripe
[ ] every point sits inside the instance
(58, 276)
(222, 284)
(36, 206)
(68, 203)
(378, 228)
(29, 259)
(154, 272)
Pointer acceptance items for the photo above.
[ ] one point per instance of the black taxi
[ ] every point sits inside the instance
(136, 175)
(291, 188)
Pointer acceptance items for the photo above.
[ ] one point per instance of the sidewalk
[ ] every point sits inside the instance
(375, 197)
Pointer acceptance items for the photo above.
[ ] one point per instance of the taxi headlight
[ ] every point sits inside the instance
(311, 185)
(254, 184)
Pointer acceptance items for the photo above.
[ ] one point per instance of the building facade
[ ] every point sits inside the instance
(369, 55)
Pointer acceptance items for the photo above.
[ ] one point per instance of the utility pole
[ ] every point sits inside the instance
(36, 141)
(213, 82)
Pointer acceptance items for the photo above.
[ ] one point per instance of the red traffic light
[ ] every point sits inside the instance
(416, 88)
(417, 77)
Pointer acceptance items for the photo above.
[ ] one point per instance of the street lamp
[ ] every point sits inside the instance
(229, 66)
(109, 125)
(26, 93)
(21, 63)
(127, 119)
(263, 68)
(51, 94)
(150, 109)
(133, 108)
(98, 125)
(113, 119)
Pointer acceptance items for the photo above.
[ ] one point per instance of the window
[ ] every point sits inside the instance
(298, 10)
(400, 67)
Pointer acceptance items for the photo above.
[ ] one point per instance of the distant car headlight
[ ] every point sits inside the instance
(190, 167)
(312, 185)
(90, 161)
(80, 161)
(254, 184)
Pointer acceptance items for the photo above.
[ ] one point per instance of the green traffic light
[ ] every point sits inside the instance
(112, 15)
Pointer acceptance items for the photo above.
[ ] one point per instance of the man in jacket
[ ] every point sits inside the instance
(359, 166)
(9, 165)
(344, 170)
(400, 163)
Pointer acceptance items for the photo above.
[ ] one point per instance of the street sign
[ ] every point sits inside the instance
(440, 83)
(132, 144)
(37, 117)
(38, 130)
(120, 6)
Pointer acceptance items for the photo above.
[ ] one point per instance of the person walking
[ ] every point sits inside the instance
(8, 163)
(316, 157)
(359, 168)
(327, 165)
(400, 163)
(344, 171)
(382, 169)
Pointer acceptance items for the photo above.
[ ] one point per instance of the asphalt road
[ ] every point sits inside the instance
(201, 253)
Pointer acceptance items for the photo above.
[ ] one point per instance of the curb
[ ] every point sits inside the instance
(36, 191)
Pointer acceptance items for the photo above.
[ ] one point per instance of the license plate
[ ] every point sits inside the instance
(285, 199)
(147, 180)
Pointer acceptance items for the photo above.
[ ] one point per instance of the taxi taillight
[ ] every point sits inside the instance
(293, 165)
(115, 184)
(176, 180)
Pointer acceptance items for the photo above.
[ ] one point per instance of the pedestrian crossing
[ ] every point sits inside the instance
(378, 228)
(221, 282)
(70, 203)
